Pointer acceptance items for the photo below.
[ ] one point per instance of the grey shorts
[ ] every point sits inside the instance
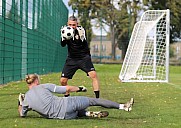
(75, 104)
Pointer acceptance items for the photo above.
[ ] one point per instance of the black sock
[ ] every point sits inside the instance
(97, 94)
(66, 95)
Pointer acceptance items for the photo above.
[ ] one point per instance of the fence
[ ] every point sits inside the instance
(30, 37)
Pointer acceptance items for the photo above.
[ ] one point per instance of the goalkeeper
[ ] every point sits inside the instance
(78, 57)
(39, 98)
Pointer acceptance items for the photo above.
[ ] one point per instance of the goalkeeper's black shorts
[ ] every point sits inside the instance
(72, 65)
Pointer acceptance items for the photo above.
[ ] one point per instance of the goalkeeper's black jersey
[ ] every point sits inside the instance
(76, 47)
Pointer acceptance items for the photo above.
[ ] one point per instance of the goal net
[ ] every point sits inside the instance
(147, 56)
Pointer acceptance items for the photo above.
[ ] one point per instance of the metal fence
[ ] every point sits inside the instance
(30, 37)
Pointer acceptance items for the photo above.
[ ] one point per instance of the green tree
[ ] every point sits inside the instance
(120, 16)
(107, 14)
(127, 19)
(175, 15)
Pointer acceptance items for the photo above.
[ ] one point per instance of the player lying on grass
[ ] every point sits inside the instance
(39, 98)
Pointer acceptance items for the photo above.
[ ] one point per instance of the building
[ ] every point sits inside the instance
(101, 49)
(177, 49)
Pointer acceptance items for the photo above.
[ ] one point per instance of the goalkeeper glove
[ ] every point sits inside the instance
(81, 32)
(82, 89)
(21, 98)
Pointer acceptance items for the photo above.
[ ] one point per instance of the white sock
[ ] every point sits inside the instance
(121, 106)
(87, 113)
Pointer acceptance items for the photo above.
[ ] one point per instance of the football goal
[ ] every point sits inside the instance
(147, 56)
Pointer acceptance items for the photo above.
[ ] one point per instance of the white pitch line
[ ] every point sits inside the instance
(175, 85)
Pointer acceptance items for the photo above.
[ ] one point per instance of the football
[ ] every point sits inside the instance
(67, 33)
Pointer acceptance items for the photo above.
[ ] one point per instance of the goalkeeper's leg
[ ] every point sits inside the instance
(63, 82)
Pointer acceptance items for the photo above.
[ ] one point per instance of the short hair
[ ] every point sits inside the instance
(73, 18)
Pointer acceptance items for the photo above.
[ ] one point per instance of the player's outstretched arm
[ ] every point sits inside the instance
(75, 89)
(22, 109)
(64, 89)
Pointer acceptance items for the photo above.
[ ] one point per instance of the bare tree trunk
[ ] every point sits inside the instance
(113, 42)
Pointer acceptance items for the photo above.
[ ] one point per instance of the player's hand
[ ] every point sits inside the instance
(82, 89)
(21, 98)
(81, 32)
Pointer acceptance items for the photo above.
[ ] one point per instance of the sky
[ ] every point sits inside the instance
(96, 31)
(69, 8)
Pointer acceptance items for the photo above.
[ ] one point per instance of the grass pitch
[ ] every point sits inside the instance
(157, 105)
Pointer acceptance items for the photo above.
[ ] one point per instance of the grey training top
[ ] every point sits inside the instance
(40, 99)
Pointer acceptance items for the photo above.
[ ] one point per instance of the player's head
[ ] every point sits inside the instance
(32, 79)
(72, 22)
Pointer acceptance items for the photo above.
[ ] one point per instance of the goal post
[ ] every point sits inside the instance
(147, 56)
